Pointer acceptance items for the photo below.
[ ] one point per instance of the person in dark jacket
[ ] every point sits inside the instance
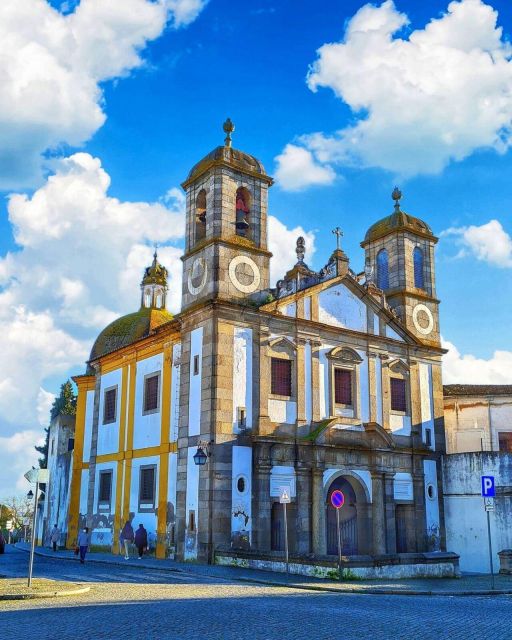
(126, 538)
(141, 540)
(2, 542)
(83, 543)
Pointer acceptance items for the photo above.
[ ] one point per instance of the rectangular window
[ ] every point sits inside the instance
(109, 405)
(147, 486)
(151, 392)
(505, 441)
(428, 437)
(343, 386)
(105, 490)
(281, 384)
(398, 395)
(242, 420)
(196, 365)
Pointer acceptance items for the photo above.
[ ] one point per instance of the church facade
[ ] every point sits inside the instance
(193, 425)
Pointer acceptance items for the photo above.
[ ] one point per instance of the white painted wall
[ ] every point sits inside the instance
(108, 434)
(399, 424)
(308, 382)
(149, 520)
(291, 310)
(282, 411)
(194, 397)
(465, 518)
(102, 531)
(364, 387)
(472, 423)
(431, 503)
(242, 375)
(175, 391)
(339, 307)
(426, 401)
(146, 428)
(192, 504)
(323, 375)
(307, 307)
(241, 500)
(89, 413)
(84, 491)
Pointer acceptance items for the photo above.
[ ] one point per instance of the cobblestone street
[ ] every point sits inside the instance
(125, 600)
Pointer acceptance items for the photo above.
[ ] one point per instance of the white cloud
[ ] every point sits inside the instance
(422, 100)
(81, 259)
(282, 242)
(459, 369)
(17, 456)
(298, 169)
(488, 242)
(52, 66)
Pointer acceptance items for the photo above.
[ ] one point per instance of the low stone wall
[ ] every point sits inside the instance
(396, 567)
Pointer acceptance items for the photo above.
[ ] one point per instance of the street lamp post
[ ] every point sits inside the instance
(33, 534)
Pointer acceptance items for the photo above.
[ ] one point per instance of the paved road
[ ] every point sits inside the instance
(127, 602)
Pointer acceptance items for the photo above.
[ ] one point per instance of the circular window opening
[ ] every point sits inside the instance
(240, 485)
(431, 491)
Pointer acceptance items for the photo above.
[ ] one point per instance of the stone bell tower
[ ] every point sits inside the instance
(226, 253)
(399, 252)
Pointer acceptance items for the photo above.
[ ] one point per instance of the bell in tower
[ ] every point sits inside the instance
(226, 255)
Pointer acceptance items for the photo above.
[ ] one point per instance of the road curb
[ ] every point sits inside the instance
(45, 594)
(302, 587)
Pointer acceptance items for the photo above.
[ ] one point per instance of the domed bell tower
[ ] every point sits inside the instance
(399, 252)
(226, 253)
(154, 285)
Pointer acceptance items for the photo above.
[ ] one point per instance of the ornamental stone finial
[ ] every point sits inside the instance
(228, 127)
(397, 196)
(300, 249)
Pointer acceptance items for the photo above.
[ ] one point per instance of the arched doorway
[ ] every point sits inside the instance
(355, 525)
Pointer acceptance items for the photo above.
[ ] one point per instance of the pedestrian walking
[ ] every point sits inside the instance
(126, 538)
(141, 540)
(83, 543)
(55, 536)
(2, 542)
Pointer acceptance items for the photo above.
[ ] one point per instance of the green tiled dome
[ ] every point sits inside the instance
(128, 329)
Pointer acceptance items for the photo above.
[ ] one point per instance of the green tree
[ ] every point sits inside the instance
(64, 404)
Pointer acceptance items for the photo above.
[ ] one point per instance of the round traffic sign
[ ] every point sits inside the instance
(337, 499)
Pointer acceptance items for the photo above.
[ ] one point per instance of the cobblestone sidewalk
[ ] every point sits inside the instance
(466, 585)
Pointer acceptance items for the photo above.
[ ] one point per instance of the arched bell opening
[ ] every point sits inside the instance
(243, 213)
(200, 216)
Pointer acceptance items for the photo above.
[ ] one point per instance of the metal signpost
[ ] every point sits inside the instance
(284, 499)
(337, 501)
(36, 476)
(488, 494)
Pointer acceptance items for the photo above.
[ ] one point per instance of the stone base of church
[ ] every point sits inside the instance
(393, 567)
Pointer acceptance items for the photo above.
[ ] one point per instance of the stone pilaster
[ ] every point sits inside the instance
(315, 379)
(261, 507)
(318, 514)
(303, 523)
(265, 380)
(389, 502)
(386, 393)
(419, 512)
(300, 383)
(378, 518)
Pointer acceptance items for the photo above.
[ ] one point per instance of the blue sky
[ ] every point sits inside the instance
(437, 103)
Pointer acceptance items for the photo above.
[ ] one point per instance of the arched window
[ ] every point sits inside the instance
(382, 269)
(200, 221)
(418, 260)
(242, 212)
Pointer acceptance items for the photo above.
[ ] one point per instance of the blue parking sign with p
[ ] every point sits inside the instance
(488, 489)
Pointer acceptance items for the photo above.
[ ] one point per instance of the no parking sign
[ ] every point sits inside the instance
(337, 499)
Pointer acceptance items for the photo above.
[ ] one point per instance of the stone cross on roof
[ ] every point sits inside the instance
(339, 234)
